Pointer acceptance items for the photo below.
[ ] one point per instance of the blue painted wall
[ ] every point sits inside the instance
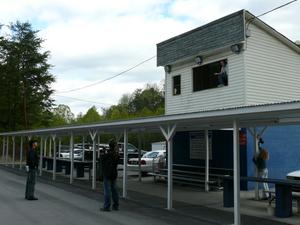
(222, 151)
(283, 144)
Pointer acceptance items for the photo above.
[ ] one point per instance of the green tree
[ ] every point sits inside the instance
(25, 79)
(150, 98)
(141, 103)
(91, 115)
(62, 115)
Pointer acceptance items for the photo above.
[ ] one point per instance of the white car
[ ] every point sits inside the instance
(150, 162)
(295, 175)
(77, 154)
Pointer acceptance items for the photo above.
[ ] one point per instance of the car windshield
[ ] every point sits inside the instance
(130, 147)
(150, 155)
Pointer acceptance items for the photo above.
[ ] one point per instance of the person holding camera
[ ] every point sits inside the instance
(222, 75)
(32, 162)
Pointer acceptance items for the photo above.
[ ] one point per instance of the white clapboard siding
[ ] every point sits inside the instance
(272, 69)
(189, 101)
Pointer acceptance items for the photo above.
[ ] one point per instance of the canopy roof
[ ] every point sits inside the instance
(247, 116)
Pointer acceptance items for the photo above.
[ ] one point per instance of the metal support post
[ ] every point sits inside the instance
(41, 157)
(54, 156)
(59, 147)
(139, 156)
(50, 147)
(71, 157)
(83, 148)
(45, 147)
(3, 150)
(93, 136)
(21, 152)
(168, 134)
(14, 151)
(207, 162)
(125, 158)
(236, 173)
(7, 148)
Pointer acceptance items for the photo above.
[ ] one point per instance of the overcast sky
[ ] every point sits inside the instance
(93, 40)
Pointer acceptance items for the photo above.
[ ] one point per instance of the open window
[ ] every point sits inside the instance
(211, 75)
(176, 85)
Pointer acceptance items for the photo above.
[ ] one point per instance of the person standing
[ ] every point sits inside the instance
(31, 169)
(261, 164)
(110, 173)
(222, 75)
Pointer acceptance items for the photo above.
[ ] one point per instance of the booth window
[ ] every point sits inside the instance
(176, 85)
(205, 77)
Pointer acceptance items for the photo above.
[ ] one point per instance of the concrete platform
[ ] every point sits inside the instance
(62, 203)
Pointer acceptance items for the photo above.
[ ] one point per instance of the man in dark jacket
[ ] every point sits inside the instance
(110, 173)
(32, 162)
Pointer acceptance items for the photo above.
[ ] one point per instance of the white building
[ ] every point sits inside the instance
(263, 65)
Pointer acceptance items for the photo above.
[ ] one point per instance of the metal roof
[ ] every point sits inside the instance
(248, 116)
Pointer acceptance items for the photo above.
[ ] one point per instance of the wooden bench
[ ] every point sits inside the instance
(283, 193)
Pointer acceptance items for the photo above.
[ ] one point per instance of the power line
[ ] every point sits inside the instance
(276, 8)
(109, 78)
(281, 6)
(137, 65)
(83, 100)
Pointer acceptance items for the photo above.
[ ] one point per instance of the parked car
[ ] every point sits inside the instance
(295, 175)
(88, 153)
(150, 162)
(132, 151)
(86, 145)
(65, 154)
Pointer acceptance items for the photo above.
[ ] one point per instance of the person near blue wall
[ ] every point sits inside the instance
(260, 160)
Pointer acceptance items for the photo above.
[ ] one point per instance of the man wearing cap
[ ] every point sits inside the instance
(32, 162)
(110, 173)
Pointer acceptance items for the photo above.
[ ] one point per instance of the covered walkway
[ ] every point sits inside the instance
(232, 118)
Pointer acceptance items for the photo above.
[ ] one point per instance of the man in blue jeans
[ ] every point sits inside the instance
(32, 162)
(110, 173)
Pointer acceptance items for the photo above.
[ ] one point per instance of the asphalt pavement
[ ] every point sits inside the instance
(61, 204)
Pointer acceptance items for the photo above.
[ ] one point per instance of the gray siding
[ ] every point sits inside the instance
(272, 69)
(189, 101)
(218, 34)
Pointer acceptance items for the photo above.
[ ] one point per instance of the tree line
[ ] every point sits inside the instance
(25, 92)
(26, 95)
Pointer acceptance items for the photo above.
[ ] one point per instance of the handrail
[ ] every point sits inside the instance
(194, 173)
(267, 180)
(202, 167)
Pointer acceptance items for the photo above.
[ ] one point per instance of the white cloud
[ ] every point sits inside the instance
(94, 39)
